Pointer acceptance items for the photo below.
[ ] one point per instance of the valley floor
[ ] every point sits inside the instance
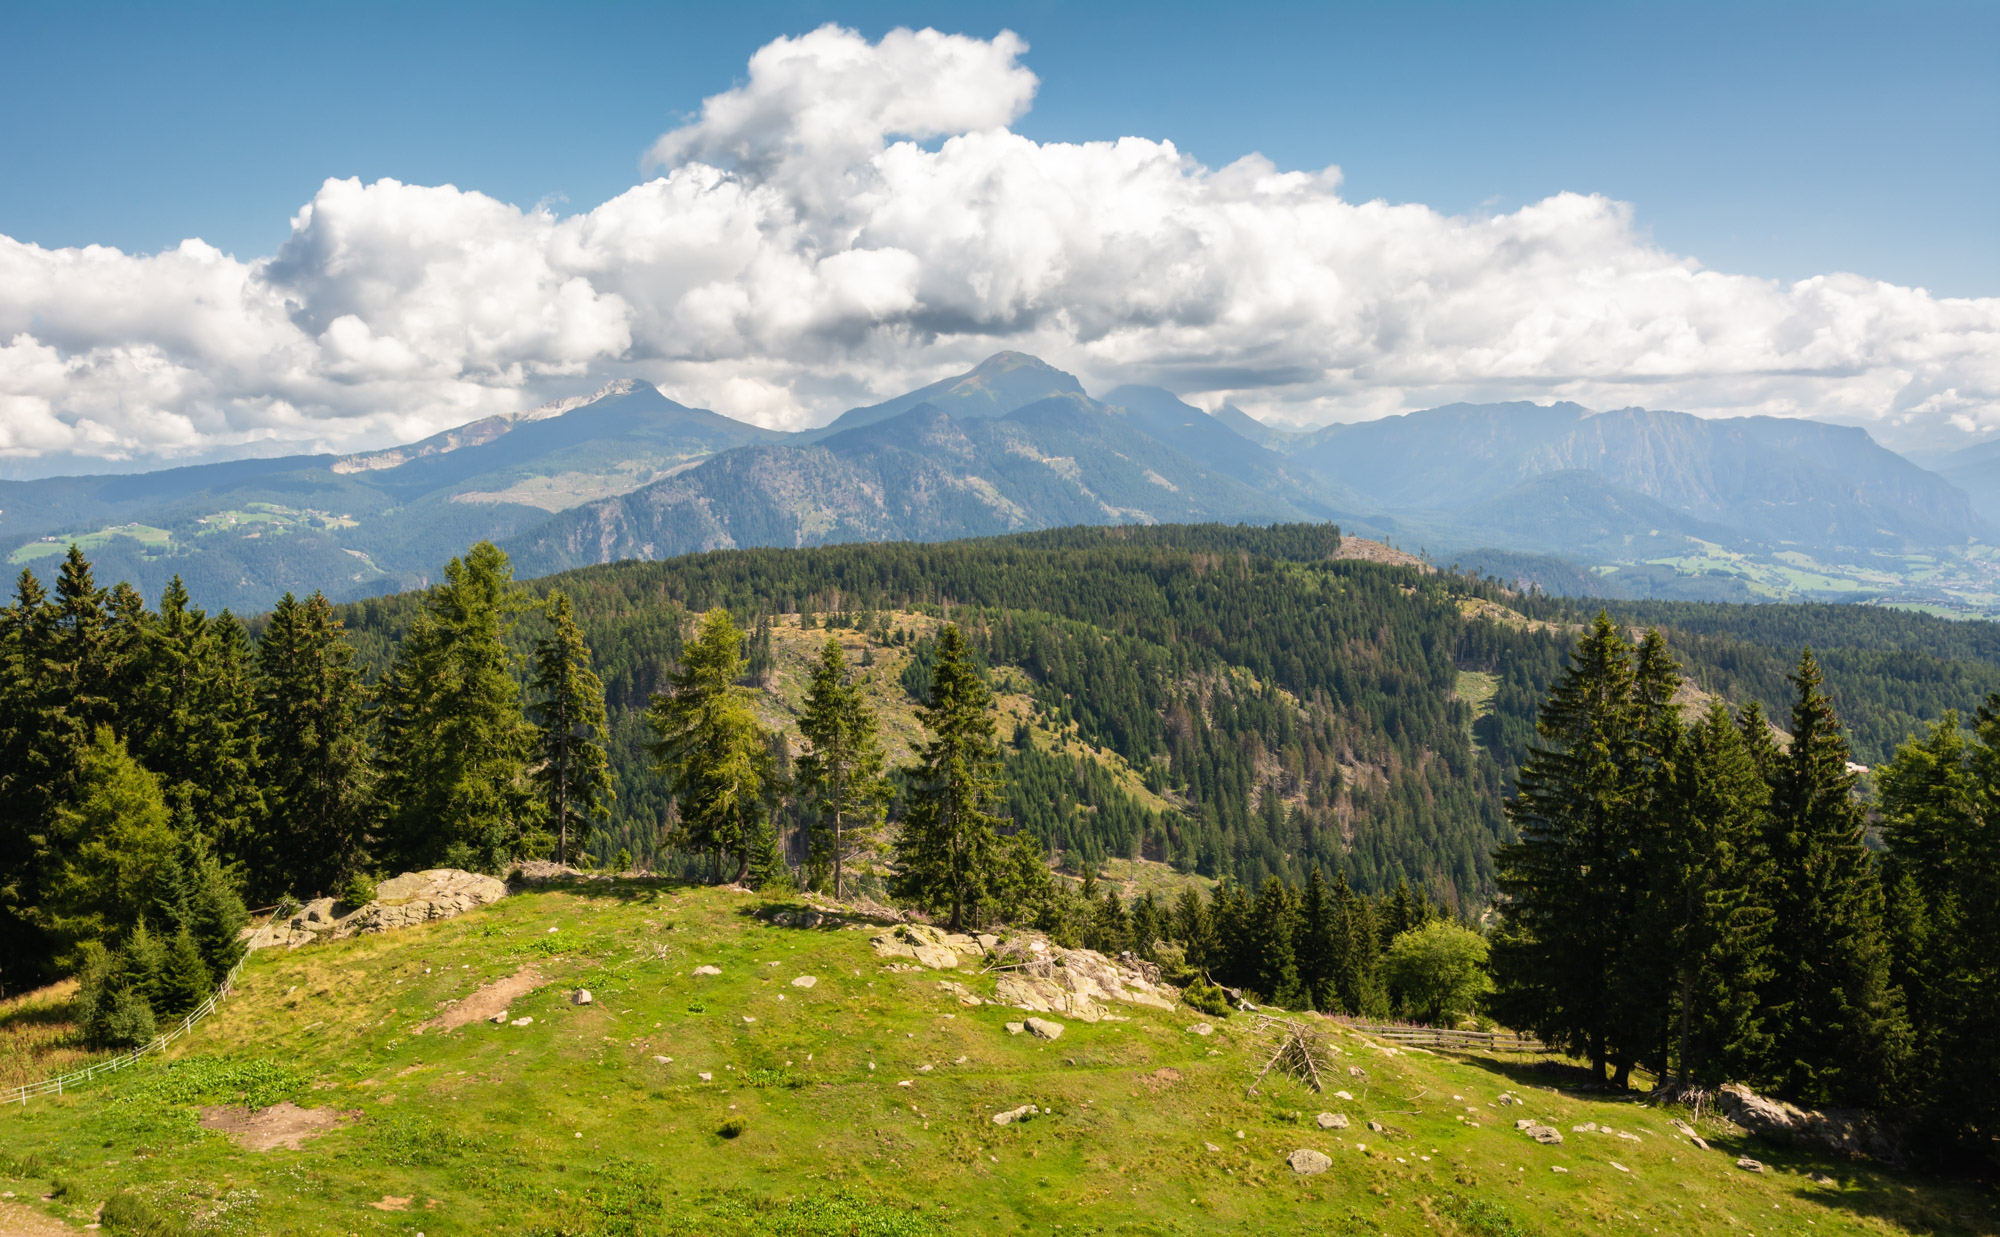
(859, 1104)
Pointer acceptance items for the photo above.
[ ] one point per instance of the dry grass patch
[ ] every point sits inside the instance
(39, 1036)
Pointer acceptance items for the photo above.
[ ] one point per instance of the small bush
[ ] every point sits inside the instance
(731, 1128)
(62, 1189)
(696, 1007)
(358, 890)
(1205, 997)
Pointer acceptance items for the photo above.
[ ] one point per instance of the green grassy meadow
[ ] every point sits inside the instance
(861, 1105)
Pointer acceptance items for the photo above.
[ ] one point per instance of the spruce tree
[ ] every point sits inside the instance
(192, 720)
(118, 846)
(311, 707)
(1836, 1022)
(573, 774)
(1706, 934)
(1194, 929)
(1148, 924)
(1318, 945)
(1940, 800)
(453, 766)
(707, 744)
(1273, 931)
(1553, 959)
(841, 774)
(944, 854)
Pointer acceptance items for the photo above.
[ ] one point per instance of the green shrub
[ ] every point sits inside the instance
(1205, 997)
(731, 1128)
(359, 890)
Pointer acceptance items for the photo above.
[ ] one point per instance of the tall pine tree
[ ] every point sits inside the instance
(945, 852)
(707, 743)
(573, 775)
(841, 773)
(311, 705)
(1835, 1020)
(453, 765)
(1554, 958)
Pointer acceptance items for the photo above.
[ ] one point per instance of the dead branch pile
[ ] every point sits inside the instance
(1300, 1052)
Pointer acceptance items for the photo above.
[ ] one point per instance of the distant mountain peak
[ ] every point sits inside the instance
(995, 387)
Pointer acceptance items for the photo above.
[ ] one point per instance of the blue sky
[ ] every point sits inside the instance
(1781, 140)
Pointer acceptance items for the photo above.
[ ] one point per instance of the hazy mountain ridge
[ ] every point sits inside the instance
(1633, 501)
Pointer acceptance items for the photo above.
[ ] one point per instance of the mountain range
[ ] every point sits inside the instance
(1626, 502)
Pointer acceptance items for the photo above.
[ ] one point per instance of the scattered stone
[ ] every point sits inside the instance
(522, 1021)
(1201, 1028)
(1376, 1127)
(1044, 1029)
(1305, 1161)
(708, 970)
(1547, 1135)
(1558, 1169)
(1588, 1127)
(1506, 1098)
(1630, 1138)
(1342, 1095)
(1822, 1179)
(1355, 1071)
(1748, 1165)
(805, 981)
(1620, 1167)
(705, 1076)
(1332, 1120)
(1211, 1146)
(664, 1060)
(500, 1019)
(1525, 1123)
(1012, 1115)
(1699, 1141)
(1015, 1028)
(582, 997)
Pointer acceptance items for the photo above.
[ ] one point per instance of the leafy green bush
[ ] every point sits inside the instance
(255, 1082)
(1205, 997)
(1440, 969)
(731, 1128)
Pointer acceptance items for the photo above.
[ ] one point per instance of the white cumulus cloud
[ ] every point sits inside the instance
(857, 218)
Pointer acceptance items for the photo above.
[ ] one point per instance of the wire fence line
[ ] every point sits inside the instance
(187, 1022)
(1439, 1037)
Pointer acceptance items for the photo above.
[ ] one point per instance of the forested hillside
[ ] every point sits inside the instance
(1290, 708)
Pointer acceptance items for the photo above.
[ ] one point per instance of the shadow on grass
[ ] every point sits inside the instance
(626, 890)
(1913, 1200)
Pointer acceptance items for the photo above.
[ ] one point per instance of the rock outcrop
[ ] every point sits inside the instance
(1082, 983)
(400, 902)
(1848, 1131)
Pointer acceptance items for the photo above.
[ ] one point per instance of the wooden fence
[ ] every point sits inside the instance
(70, 1081)
(1437, 1037)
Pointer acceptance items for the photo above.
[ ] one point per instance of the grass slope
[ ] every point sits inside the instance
(575, 1123)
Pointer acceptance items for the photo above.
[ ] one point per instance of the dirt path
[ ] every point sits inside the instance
(488, 1001)
(19, 1221)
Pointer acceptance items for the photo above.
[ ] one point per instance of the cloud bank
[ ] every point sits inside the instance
(857, 218)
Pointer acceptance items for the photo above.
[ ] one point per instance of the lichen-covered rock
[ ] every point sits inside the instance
(1305, 1161)
(1332, 1120)
(400, 902)
(1044, 1029)
(1547, 1135)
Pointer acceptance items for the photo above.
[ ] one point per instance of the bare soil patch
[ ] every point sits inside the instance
(20, 1221)
(265, 1129)
(494, 998)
